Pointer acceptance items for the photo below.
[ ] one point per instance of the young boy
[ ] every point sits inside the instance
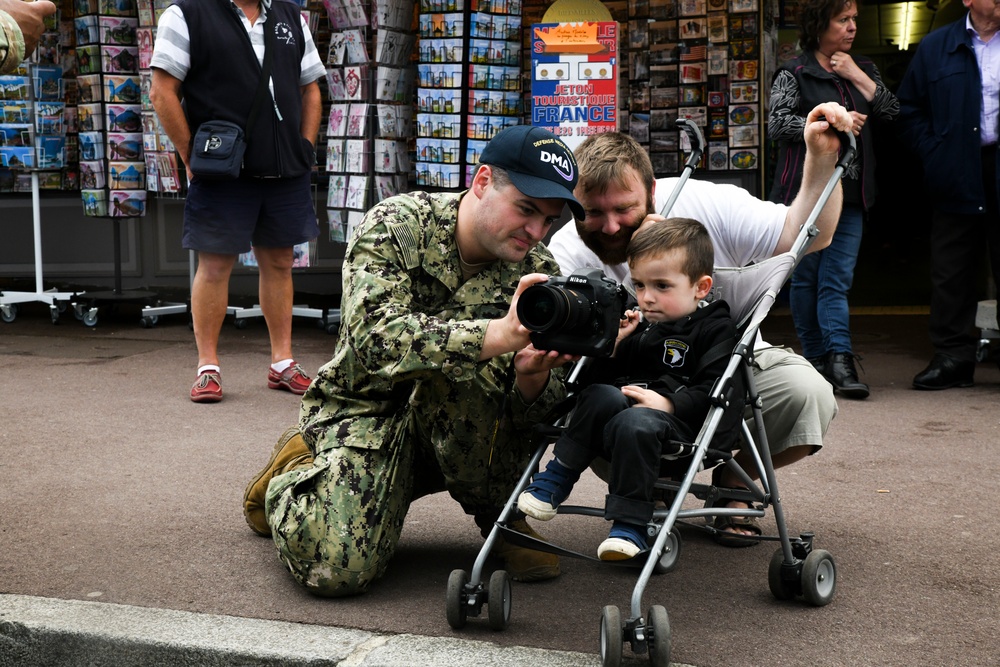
(653, 389)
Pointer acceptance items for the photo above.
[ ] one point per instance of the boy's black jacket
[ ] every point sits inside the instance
(667, 358)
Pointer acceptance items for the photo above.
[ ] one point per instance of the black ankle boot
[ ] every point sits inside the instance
(819, 363)
(840, 372)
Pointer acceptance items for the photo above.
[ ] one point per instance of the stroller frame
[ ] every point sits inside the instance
(796, 570)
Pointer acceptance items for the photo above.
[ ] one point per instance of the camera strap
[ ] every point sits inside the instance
(508, 386)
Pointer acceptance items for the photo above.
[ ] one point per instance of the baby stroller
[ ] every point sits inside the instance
(796, 570)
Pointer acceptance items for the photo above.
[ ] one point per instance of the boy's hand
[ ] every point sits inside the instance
(646, 398)
(628, 323)
(626, 326)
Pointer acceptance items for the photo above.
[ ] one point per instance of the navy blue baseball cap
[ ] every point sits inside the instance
(538, 163)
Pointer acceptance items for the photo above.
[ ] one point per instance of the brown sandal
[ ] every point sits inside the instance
(723, 536)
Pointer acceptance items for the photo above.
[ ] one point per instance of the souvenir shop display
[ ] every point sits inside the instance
(370, 83)
(696, 59)
(468, 85)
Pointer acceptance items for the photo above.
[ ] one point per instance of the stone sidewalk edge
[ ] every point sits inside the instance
(46, 631)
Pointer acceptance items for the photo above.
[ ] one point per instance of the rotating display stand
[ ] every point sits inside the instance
(327, 318)
(33, 137)
(87, 312)
(112, 160)
(151, 314)
(10, 299)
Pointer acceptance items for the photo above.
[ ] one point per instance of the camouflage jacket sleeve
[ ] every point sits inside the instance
(407, 311)
(412, 331)
(11, 44)
(402, 319)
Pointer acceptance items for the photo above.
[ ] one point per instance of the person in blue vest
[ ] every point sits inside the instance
(270, 206)
(949, 105)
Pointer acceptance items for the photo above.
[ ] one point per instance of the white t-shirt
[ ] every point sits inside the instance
(744, 229)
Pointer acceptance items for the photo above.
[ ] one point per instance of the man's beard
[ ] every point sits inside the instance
(612, 249)
(609, 249)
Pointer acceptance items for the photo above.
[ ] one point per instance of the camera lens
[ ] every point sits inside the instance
(543, 308)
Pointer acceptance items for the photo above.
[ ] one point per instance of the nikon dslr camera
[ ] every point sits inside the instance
(576, 314)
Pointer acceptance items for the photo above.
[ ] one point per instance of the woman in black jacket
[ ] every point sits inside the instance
(826, 72)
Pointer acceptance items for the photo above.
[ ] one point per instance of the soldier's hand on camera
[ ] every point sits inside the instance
(507, 334)
(30, 18)
(532, 369)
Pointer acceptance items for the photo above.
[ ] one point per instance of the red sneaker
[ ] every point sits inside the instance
(207, 388)
(292, 379)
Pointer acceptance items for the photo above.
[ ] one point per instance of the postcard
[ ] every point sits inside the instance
(127, 203)
(127, 175)
(119, 31)
(95, 203)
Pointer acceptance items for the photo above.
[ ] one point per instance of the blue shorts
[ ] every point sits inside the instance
(228, 217)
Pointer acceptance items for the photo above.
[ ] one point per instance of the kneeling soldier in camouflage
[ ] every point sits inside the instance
(429, 357)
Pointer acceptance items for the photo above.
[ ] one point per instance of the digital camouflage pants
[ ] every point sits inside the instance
(336, 524)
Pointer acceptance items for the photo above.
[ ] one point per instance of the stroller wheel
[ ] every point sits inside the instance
(612, 637)
(671, 552)
(659, 636)
(499, 600)
(456, 610)
(781, 588)
(819, 578)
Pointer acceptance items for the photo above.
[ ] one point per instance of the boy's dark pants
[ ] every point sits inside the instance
(604, 424)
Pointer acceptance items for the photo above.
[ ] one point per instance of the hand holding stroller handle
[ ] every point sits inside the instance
(848, 146)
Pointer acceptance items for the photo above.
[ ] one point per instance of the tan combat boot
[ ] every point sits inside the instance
(290, 453)
(526, 564)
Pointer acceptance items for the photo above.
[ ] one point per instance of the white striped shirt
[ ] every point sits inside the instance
(988, 57)
(172, 49)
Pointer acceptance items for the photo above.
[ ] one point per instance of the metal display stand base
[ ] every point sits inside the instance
(9, 300)
(87, 313)
(327, 318)
(151, 314)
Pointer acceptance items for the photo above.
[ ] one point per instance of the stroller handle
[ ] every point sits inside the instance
(697, 141)
(697, 150)
(848, 147)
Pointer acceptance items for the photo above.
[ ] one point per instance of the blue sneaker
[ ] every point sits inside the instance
(624, 541)
(548, 489)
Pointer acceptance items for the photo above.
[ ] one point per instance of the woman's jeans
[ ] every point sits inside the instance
(819, 288)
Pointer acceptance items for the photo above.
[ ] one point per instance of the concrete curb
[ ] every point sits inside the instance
(45, 631)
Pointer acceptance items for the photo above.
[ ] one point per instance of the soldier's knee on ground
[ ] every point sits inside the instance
(326, 580)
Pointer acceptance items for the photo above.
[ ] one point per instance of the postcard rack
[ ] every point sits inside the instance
(112, 160)
(468, 85)
(370, 84)
(9, 300)
(696, 59)
(33, 137)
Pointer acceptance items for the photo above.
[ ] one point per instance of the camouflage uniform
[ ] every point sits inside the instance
(405, 407)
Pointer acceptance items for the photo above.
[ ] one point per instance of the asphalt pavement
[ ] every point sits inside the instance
(122, 540)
